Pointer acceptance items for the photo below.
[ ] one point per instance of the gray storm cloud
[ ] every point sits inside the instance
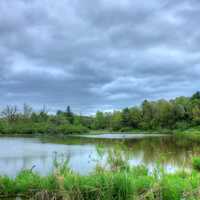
(97, 55)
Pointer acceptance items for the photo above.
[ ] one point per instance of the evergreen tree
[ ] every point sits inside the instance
(69, 115)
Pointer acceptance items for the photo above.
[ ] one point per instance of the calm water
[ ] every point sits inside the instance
(18, 153)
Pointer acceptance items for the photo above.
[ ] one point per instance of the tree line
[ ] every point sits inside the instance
(179, 113)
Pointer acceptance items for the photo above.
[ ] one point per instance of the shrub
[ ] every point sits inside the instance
(23, 127)
(126, 129)
(182, 125)
(70, 129)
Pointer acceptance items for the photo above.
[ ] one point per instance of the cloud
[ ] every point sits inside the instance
(97, 55)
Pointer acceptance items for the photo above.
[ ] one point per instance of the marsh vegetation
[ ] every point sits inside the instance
(116, 180)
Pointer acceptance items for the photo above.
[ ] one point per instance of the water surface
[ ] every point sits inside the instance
(17, 153)
(120, 136)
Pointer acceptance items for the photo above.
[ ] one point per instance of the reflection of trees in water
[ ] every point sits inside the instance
(176, 152)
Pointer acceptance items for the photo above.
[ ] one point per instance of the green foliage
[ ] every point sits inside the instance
(116, 121)
(126, 129)
(69, 115)
(70, 129)
(196, 163)
(196, 96)
(180, 113)
(125, 117)
(192, 134)
(182, 125)
(135, 183)
(7, 185)
(178, 186)
(41, 128)
(100, 121)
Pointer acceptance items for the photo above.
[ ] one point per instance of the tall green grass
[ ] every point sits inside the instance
(119, 182)
(121, 185)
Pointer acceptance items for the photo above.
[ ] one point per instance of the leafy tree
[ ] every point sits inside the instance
(116, 121)
(196, 115)
(99, 122)
(196, 96)
(125, 117)
(148, 111)
(135, 117)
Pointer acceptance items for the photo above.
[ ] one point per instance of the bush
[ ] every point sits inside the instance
(70, 129)
(126, 129)
(182, 125)
(23, 127)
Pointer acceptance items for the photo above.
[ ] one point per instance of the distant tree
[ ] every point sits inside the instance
(27, 111)
(181, 113)
(126, 120)
(196, 115)
(35, 117)
(69, 115)
(107, 118)
(10, 113)
(68, 111)
(195, 100)
(148, 111)
(99, 122)
(87, 121)
(162, 114)
(135, 117)
(196, 96)
(43, 114)
(116, 121)
(186, 107)
(77, 120)
(59, 120)
(59, 112)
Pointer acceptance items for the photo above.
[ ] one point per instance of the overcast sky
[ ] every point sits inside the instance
(97, 54)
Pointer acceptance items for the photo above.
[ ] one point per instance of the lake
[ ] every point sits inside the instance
(17, 153)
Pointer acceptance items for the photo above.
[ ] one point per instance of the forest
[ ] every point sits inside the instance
(180, 113)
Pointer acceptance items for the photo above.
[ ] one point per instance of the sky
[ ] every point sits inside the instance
(97, 54)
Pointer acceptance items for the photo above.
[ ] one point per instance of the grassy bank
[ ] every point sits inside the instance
(192, 134)
(134, 183)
